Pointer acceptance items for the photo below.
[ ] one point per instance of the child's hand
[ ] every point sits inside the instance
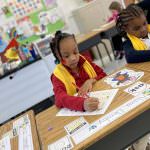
(86, 87)
(91, 104)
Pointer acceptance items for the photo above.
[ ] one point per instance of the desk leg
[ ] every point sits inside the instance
(100, 55)
(112, 46)
(106, 50)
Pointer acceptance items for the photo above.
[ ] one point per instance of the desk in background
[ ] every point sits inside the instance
(89, 40)
(109, 31)
(115, 136)
(14, 141)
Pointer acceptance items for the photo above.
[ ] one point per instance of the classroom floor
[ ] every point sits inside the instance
(111, 66)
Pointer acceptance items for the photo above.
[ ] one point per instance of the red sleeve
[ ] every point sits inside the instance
(99, 71)
(62, 99)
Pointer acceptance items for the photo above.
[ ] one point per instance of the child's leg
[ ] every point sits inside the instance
(118, 47)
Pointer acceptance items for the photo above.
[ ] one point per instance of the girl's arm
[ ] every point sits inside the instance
(62, 99)
(135, 56)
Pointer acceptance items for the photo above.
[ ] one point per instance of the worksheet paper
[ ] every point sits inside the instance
(5, 143)
(9, 133)
(76, 126)
(23, 130)
(105, 98)
(62, 144)
(108, 118)
(123, 77)
(139, 88)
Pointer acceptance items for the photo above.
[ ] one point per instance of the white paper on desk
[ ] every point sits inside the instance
(139, 88)
(105, 98)
(109, 118)
(123, 77)
(23, 129)
(5, 143)
(19, 123)
(62, 144)
(76, 126)
(9, 133)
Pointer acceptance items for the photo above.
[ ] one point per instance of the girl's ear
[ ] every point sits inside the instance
(63, 61)
(125, 28)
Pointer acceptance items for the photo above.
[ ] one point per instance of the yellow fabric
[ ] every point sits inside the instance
(137, 43)
(11, 54)
(62, 74)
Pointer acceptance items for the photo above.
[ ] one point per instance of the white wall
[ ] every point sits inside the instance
(66, 7)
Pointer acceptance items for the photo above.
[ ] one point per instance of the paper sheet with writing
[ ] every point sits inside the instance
(123, 77)
(62, 144)
(5, 143)
(105, 98)
(139, 88)
(109, 118)
(23, 130)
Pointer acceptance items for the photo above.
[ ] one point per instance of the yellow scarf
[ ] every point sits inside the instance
(62, 74)
(137, 43)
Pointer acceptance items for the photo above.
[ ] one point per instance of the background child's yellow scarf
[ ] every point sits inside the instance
(137, 43)
(62, 74)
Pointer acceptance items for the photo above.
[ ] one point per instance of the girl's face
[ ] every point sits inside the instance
(69, 52)
(138, 27)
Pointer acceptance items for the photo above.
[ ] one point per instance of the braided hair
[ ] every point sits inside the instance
(55, 44)
(126, 15)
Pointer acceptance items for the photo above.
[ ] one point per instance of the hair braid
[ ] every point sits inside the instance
(131, 12)
(55, 44)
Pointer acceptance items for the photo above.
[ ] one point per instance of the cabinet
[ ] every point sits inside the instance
(29, 86)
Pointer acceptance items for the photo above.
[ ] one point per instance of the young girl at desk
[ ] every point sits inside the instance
(73, 73)
(133, 25)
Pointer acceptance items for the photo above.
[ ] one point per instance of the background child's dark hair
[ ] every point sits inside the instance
(130, 13)
(115, 6)
(55, 43)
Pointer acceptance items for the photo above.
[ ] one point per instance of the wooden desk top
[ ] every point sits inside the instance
(14, 141)
(83, 37)
(48, 118)
(107, 26)
(145, 66)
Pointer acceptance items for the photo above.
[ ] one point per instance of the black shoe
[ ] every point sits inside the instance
(121, 56)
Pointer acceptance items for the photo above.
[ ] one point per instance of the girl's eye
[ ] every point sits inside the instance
(66, 56)
(136, 28)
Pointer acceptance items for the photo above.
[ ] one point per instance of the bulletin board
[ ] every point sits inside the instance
(29, 13)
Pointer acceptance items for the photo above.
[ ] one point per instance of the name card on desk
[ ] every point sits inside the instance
(109, 118)
(5, 143)
(76, 126)
(62, 144)
(139, 88)
(23, 129)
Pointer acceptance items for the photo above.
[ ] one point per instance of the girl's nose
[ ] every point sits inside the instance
(73, 57)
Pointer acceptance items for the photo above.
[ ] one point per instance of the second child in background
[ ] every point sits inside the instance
(73, 74)
(134, 27)
(115, 8)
